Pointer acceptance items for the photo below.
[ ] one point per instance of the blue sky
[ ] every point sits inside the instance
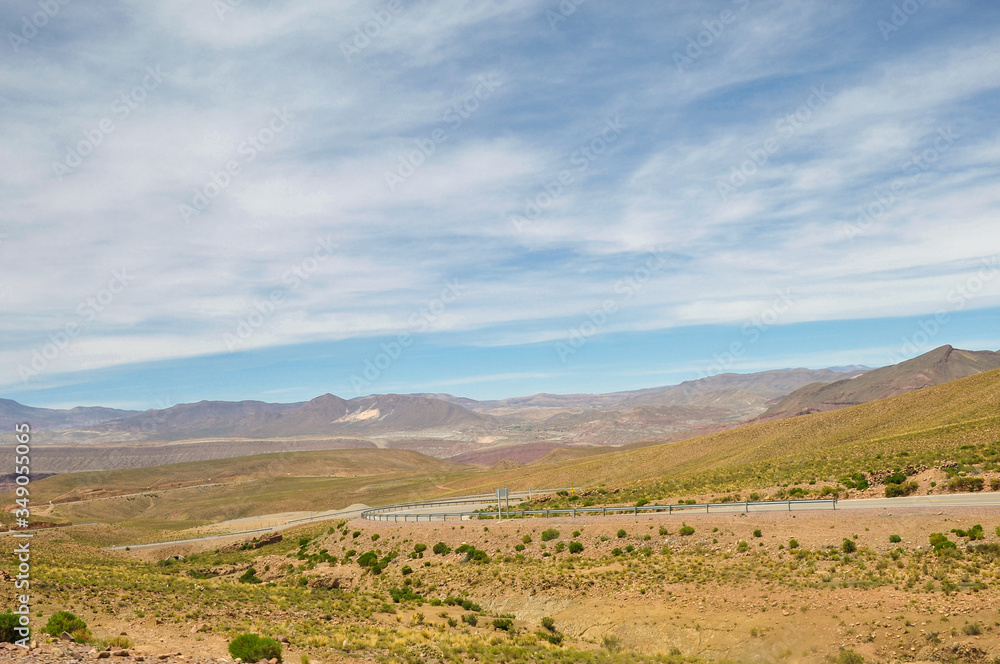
(256, 201)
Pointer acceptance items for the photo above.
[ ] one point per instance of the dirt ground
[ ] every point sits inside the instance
(753, 620)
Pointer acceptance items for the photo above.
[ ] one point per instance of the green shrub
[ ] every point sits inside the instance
(848, 546)
(897, 477)
(575, 547)
(404, 594)
(550, 534)
(848, 656)
(473, 554)
(640, 503)
(973, 533)
(965, 484)
(616, 552)
(742, 546)
(894, 490)
(793, 543)
(973, 629)
(8, 621)
(549, 624)
(895, 539)
(526, 539)
(856, 481)
(441, 549)
(368, 559)
(686, 530)
(757, 533)
(406, 570)
(470, 619)
(64, 621)
(621, 533)
(253, 648)
(419, 548)
(250, 576)
(505, 624)
(940, 542)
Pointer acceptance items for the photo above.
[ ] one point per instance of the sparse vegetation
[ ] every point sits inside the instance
(372, 617)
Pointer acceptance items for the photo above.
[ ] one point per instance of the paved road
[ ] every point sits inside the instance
(436, 512)
(418, 513)
(949, 500)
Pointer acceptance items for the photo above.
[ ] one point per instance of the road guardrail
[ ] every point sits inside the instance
(404, 511)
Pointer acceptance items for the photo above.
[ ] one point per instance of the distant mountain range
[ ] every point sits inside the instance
(11, 413)
(520, 429)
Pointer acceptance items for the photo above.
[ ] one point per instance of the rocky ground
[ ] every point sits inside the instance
(62, 652)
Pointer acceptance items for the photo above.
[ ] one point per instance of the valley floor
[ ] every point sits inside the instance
(638, 591)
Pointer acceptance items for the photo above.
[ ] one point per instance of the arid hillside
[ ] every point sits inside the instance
(938, 366)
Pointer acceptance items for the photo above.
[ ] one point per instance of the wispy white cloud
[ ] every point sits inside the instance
(352, 118)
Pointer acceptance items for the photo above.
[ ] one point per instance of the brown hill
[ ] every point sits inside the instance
(940, 365)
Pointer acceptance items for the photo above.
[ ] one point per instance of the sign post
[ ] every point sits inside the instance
(502, 494)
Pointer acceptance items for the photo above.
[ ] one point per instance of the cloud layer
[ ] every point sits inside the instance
(266, 175)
